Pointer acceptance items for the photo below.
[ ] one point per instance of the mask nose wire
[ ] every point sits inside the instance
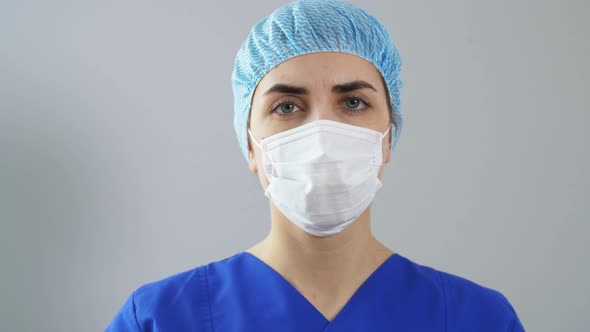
(383, 135)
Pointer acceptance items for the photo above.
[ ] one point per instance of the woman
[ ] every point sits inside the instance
(317, 114)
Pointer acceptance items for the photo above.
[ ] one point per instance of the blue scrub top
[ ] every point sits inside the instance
(242, 293)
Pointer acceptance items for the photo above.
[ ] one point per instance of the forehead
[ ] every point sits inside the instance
(322, 68)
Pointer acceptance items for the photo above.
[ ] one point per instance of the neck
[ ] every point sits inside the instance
(325, 270)
(302, 257)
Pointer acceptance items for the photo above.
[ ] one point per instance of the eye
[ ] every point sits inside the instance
(284, 108)
(355, 104)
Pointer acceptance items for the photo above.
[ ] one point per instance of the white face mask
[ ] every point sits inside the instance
(322, 174)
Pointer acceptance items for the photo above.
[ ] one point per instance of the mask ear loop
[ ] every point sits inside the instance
(384, 134)
(266, 171)
(254, 139)
(387, 131)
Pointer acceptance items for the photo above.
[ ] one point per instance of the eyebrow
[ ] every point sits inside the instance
(351, 86)
(338, 88)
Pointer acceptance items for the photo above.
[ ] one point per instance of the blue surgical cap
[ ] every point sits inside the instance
(308, 26)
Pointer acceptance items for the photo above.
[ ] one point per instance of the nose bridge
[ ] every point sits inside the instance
(323, 108)
(324, 113)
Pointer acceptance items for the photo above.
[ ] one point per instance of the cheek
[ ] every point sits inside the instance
(386, 153)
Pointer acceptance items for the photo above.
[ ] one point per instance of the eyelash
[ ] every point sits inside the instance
(349, 110)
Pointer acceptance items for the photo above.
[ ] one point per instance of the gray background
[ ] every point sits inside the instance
(119, 164)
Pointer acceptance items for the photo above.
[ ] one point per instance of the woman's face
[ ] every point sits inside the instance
(328, 85)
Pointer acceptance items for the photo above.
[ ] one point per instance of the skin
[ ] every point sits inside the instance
(325, 270)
